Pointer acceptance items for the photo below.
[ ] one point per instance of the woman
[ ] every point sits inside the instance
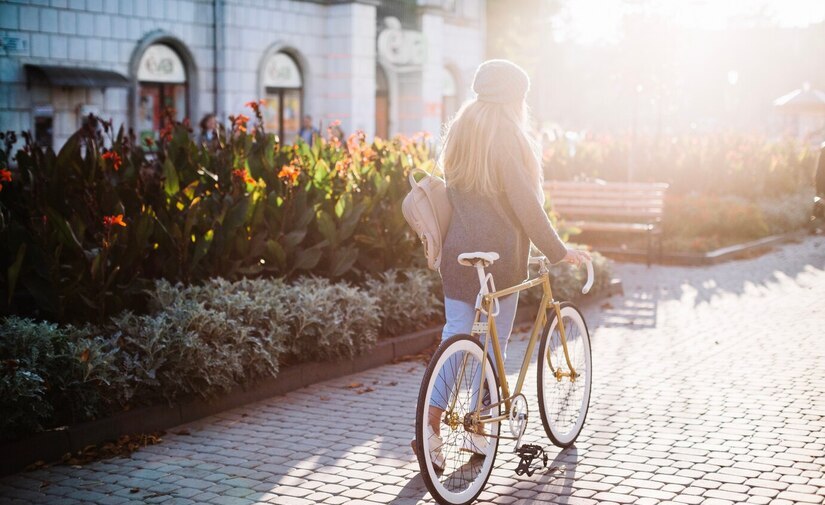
(209, 131)
(493, 174)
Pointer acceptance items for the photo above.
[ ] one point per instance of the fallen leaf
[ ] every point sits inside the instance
(607, 306)
(393, 383)
(353, 385)
(134, 490)
(323, 398)
(84, 356)
(365, 390)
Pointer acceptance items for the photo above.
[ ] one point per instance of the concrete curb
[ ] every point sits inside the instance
(709, 258)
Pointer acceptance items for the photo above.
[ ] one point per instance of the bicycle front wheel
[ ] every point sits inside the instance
(456, 457)
(564, 398)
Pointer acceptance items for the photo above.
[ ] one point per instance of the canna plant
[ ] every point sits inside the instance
(87, 230)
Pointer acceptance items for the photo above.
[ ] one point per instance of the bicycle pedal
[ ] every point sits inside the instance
(528, 453)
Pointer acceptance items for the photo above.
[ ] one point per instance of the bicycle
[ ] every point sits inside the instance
(455, 467)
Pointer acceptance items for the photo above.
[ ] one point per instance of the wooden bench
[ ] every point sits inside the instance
(612, 207)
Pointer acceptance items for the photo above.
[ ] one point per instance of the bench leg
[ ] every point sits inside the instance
(660, 247)
(649, 246)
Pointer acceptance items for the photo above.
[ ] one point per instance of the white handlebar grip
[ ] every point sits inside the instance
(590, 277)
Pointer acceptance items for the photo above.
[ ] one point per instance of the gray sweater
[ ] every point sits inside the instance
(484, 224)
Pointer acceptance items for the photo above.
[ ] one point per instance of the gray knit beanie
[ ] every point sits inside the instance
(500, 81)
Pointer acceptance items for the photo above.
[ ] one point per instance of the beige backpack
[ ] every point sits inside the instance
(428, 211)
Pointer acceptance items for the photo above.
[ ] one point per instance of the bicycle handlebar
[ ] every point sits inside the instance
(591, 276)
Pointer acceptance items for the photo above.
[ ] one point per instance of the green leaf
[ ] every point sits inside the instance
(293, 238)
(344, 259)
(321, 172)
(14, 269)
(275, 252)
(342, 204)
(308, 259)
(63, 227)
(171, 183)
(202, 246)
(326, 226)
(236, 215)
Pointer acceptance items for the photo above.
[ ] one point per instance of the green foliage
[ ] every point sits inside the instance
(50, 375)
(329, 320)
(203, 340)
(719, 164)
(567, 281)
(724, 189)
(87, 230)
(409, 299)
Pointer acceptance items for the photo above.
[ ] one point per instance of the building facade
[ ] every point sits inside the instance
(384, 67)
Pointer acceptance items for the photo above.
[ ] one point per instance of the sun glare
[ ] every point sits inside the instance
(600, 21)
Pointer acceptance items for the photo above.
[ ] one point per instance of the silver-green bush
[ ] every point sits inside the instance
(409, 299)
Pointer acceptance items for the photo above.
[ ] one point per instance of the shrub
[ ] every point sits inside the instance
(87, 230)
(787, 214)
(409, 299)
(329, 320)
(703, 222)
(718, 164)
(50, 375)
(566, 281)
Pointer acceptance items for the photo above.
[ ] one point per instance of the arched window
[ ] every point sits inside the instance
(283, 91)
(382, 103)
(449, 95)
(162, 89)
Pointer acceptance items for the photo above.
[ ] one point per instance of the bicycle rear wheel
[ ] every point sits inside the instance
(564, 401)
(452, 383)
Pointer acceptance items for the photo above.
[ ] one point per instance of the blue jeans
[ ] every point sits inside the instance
(459, 317)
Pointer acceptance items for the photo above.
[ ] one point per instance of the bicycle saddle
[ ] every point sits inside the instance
(470, 259)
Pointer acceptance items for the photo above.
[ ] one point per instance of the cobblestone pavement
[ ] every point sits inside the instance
(709, 387)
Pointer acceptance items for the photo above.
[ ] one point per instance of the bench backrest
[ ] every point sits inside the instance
(626, 201)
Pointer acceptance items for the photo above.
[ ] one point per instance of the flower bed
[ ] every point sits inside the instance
(87, 230)
(202, 341)
(724, 189)
(150, 274)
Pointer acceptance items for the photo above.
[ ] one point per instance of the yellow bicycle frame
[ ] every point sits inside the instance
(489, 327)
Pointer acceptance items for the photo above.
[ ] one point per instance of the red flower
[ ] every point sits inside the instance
(109, 221)
(149, 141)
(289, 172)
(166, 132)
(241, 121)
(116, 161)
(252, 104)
(5, 176)
(243, 175)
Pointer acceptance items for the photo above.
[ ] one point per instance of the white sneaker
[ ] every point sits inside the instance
(475, 443)
(436, 456)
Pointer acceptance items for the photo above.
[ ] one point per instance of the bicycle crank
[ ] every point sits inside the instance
(518, 418)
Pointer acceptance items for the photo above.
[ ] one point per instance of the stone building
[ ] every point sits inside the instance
(384, 67)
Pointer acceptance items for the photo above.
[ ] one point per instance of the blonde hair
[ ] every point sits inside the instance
(482, 140)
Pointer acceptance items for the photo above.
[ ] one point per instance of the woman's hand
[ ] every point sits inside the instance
(576, 256)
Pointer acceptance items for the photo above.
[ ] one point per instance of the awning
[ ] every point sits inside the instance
(75, 77)
(805, 99)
